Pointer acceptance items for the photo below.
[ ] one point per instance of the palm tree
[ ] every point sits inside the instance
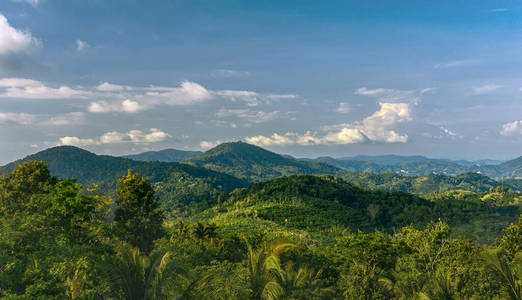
(507, 274)
(135, 276)
(264, 270)
(299, 281)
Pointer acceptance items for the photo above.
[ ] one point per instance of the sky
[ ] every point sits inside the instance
(307, 78)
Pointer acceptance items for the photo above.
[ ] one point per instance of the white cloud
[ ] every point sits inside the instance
(154, 136)
(109, 87)
(126, 106)
(391, 95)
(33, 3)
(377, 127)
(369, 92)
(76, 141)
(248, 115)
(14, 41)
(512, 128)
(73, 118)
(274, 140)
(82, 45)
(208, 145)
(32, 89)
(19, 118)
(18, 82)
(485, 89)
(345, 136)
(343, 108)
(133, 136)
(188, 93)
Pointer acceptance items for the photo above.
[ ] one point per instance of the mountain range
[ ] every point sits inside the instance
(235, 165)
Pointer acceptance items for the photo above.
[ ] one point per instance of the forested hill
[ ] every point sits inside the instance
(167, 155)
(321, 203)
(187, 183)
(254, 163)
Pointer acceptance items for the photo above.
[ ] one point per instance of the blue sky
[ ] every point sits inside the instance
(308, 78)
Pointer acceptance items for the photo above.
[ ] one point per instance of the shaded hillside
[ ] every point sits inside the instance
(254, 163)
(348, 165)
(511, 168)
(190, 183)
(167, 155)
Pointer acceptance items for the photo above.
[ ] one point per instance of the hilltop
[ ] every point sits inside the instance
(254, 163)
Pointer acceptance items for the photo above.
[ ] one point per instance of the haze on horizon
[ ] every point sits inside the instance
(441, 79)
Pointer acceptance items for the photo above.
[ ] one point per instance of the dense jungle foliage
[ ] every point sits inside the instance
(298, 237)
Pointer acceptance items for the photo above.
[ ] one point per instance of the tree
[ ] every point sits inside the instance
(264, 270)
(507, 274)
(138, 216)
(134, 275)
(511, 240)
(26, 180)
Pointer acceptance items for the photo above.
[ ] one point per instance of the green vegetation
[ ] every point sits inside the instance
(297, 237)
(191, 184)
(255, 164)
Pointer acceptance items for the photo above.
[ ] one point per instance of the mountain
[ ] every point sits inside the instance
(167, 155)
(254, 163)
(511, 168)
(386, 159)
(177, 184)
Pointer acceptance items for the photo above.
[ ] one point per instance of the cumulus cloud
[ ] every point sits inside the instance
(82, 45)
(377, 127)
(14, 41)
(133, 136)
(485, 89)
(19, 118)
(512, 128)
(126, 106)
